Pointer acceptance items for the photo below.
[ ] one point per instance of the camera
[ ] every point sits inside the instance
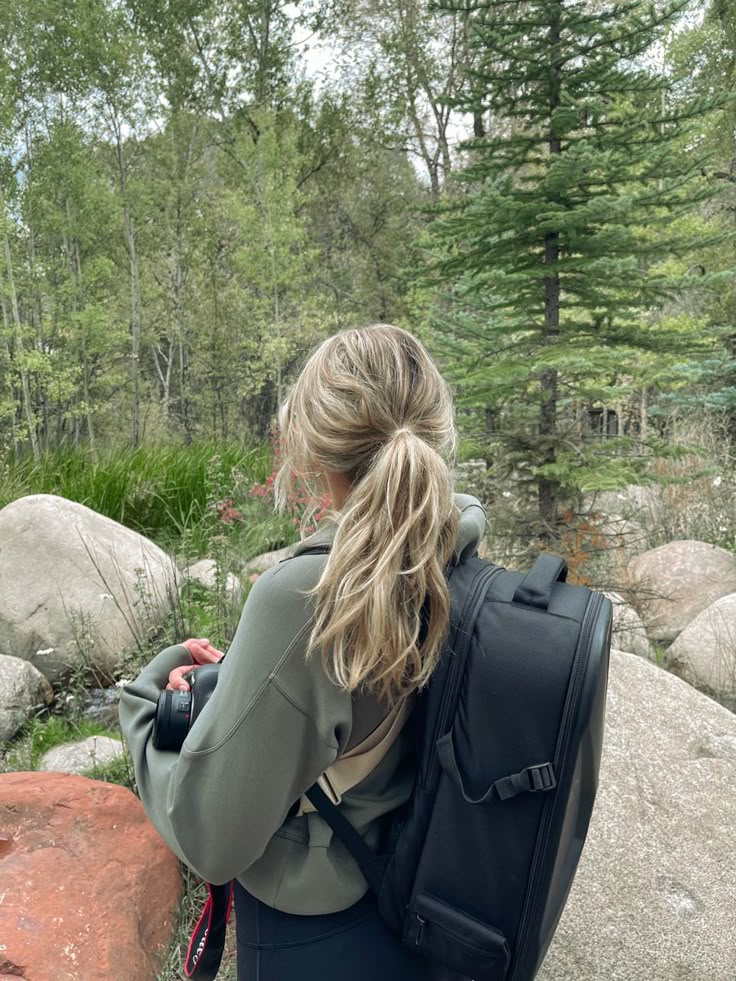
(177, 711)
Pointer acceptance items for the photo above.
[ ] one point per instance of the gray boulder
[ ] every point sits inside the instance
(705, 652)
(635, 501)
(622, 538)
(626, 516)
(83, 756)
(79, 590)
(470, 476)
(629, 632)
(22, 689)
(672, 584)
(99, 705)
(205, 572)
(655, 891)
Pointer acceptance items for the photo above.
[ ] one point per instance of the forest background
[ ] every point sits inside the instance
(192, 194)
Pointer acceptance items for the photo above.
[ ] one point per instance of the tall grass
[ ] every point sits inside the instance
(170, 493)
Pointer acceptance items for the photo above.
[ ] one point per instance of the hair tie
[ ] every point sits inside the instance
(400, 430)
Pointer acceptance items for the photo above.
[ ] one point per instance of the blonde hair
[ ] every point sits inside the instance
(371, 404)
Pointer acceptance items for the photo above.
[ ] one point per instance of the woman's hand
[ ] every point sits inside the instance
(203, 653)
(176, 678)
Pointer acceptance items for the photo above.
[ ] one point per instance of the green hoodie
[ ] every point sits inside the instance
(274, 723)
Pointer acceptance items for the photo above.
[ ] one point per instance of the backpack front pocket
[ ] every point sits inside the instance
(455, 939)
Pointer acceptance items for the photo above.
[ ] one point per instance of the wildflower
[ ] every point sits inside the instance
(226, 512)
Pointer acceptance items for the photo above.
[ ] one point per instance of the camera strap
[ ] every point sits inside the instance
(208, 939)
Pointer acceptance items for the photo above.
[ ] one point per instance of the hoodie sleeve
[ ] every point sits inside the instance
(472, 526)
(274, 723)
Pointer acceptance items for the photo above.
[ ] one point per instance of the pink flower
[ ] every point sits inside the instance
(227, 513)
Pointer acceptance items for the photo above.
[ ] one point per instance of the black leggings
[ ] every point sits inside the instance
(351, 945)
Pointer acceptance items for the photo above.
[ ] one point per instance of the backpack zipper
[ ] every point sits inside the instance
(580, 662)
(472, 605)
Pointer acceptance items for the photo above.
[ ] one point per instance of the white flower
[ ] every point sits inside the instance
(506, 494)
(122, 683)
(717, 481)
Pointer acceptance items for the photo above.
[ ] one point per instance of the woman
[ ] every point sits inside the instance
(326, 646)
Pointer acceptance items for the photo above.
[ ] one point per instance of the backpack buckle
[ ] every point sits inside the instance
(541, 777)
(532, 779)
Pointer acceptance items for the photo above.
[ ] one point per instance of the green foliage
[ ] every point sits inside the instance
(183, 216)
(703, 58)
(162, 492)
(49, 730)
(46, 731)
(555, 257)
(119, 770)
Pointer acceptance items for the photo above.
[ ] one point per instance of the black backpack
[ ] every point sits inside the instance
(479, 863)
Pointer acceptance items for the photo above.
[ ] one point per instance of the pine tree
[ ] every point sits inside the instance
(554, 252)
(704, 54)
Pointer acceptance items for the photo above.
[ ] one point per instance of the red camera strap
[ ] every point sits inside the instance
(208, 939)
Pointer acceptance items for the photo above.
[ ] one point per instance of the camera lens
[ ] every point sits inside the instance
(171, 724)
(177, 711)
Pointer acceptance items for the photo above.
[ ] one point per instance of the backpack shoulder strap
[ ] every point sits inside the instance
(315, 549)
(352, 768)
(355, 765)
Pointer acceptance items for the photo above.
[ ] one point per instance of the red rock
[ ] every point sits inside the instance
(88, 890)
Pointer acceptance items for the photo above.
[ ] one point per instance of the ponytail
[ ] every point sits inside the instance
(396, 534)
(372, 405)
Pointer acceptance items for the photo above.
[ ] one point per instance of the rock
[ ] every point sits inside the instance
(98, 705)
(629, 633)
(676, 582)
(205, 572)
(89, 888)
(655, 890)
(625, 537)
(265, 561)
(79, 590)
(704, 654)
(470, 476)
(637, 501)
(83, 756)
(22, 689)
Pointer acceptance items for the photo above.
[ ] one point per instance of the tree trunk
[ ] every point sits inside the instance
(24, 381)
(160, 355)
(135, 287)
(643, 415)
(183, 388)
(181, 331)
(548, 489)
(36, 306)
(135, 329)
(9, 357)
(74, 261)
